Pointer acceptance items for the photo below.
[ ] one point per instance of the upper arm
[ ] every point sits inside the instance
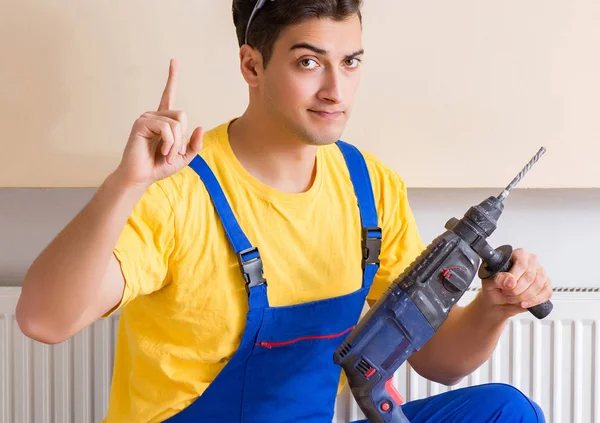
(111, 290)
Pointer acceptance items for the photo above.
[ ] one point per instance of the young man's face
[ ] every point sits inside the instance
(311, 79)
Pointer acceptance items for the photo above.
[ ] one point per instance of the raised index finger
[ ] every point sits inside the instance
(168, 96)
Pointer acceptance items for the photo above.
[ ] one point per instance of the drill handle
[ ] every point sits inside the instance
(379, 401)
(539, 311)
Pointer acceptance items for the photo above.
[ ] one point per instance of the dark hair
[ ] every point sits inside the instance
(275, 15)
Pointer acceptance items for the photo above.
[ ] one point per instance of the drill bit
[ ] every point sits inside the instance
(521, 174)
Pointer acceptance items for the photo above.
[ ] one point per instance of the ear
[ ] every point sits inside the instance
(250, 65)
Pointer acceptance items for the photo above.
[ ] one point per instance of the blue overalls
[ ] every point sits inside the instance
(283, 370)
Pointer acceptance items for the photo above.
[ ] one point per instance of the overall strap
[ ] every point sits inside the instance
(371, 232)
(248, 256)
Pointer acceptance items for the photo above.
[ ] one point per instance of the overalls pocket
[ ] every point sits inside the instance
(310, 392)
(267, 344)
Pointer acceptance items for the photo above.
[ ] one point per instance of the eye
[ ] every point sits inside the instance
(308, 63)
(353, 62)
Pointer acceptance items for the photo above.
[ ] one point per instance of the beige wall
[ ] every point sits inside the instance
(454, 94)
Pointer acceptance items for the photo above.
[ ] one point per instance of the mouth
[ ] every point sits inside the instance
(327, 114)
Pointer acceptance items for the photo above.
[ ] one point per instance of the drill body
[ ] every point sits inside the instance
(416, 304)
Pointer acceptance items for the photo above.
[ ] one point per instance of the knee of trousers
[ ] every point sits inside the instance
(512, 404)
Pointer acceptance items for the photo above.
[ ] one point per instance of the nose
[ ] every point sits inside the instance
(331, 90)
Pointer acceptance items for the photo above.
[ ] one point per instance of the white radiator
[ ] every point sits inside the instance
(555, 361)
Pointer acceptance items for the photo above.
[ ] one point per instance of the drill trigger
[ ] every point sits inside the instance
(391, 389)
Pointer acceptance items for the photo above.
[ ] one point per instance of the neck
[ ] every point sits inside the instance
(276, 158)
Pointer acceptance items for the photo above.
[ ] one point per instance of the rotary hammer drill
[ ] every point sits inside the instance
(416, 304)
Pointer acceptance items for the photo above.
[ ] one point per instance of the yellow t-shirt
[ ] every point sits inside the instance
(184, 305)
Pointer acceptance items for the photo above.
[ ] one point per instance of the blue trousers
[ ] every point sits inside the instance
(487, 403)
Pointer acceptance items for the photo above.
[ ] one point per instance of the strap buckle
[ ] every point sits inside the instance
(252, 268)
(371, 245)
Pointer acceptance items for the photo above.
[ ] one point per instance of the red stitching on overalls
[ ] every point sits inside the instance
(303, 338)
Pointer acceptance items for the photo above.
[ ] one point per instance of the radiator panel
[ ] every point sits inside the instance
(555, 361)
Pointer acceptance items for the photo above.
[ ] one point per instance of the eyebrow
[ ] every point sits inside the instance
(322, 51)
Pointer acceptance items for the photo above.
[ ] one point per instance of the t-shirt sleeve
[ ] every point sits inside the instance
(401, 241)
(145, 246)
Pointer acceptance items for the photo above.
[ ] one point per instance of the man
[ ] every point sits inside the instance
(239, 270)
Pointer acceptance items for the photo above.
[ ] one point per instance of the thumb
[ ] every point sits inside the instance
(195, 144)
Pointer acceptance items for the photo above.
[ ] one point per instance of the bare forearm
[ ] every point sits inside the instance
(66, 279)
(463, 343)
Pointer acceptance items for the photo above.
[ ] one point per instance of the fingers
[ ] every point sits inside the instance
(526, 284)
(544, 295)
(522, 271)
(534, 286)
(178, 122)
(172, 150)
(161, 128)
(168, 96)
